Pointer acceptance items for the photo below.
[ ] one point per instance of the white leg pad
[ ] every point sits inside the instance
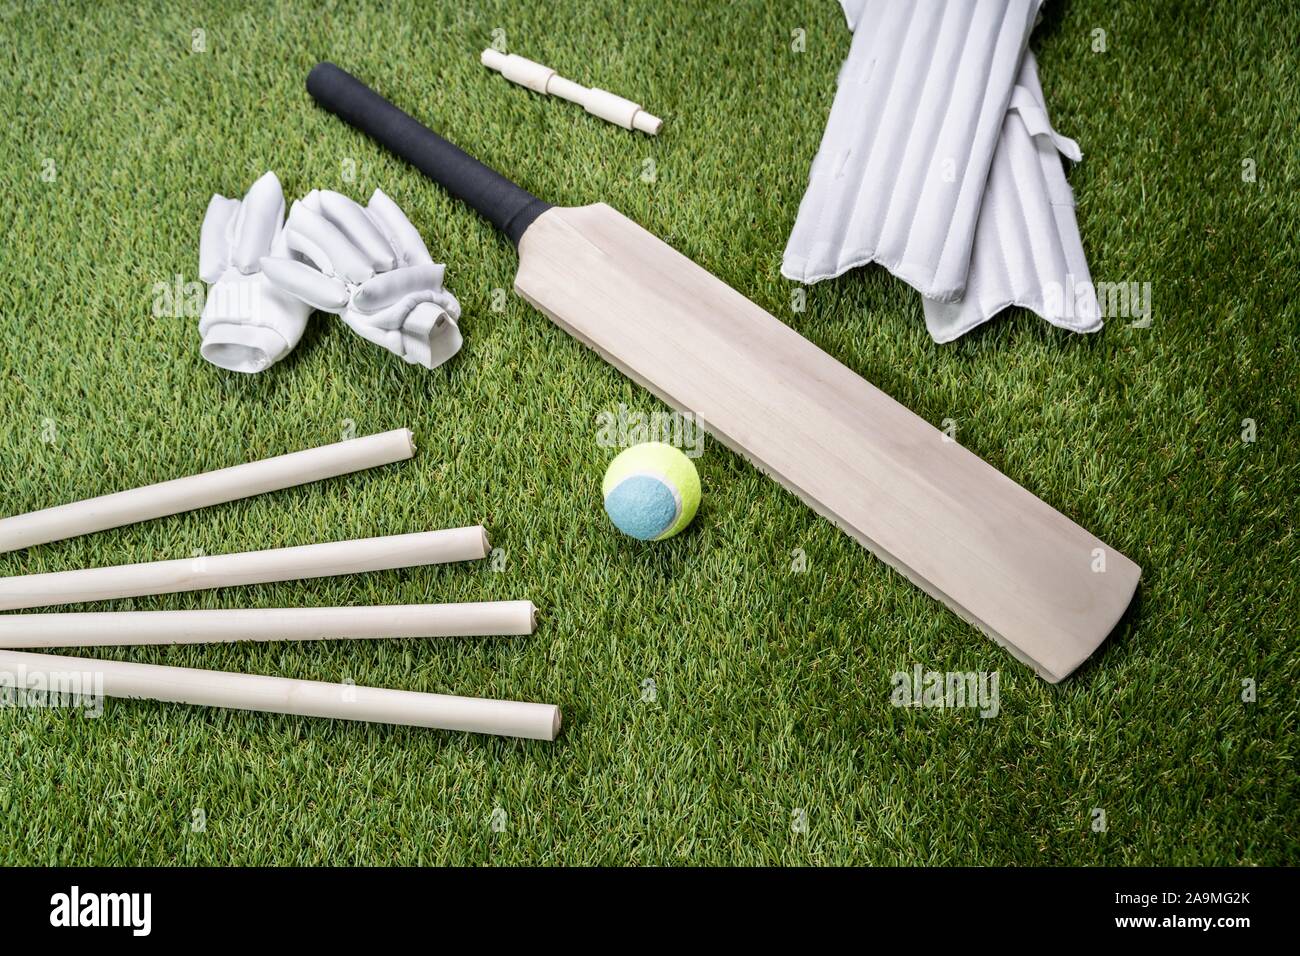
(1027, 248)
(899, 177)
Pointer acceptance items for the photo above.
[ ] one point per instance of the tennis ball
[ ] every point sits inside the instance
(651, 491)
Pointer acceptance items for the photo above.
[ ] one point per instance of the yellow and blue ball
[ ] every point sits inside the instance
(652, 491)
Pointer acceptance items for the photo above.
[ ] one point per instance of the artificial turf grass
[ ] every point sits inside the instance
(771, 688)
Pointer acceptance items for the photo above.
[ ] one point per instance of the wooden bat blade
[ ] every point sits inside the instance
(957, 527)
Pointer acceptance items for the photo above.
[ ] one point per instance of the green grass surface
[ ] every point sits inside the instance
(773, 688)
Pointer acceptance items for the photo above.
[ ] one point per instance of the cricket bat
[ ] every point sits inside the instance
(1029, 577)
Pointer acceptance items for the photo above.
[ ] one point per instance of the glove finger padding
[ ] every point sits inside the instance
(423, 333)
(351, 220)
(404, 236)
(247, 323)
(370, 266)
(312, 286)
(260, 218)
(214, 241)
(384, 290)
(431, 334)
(329, 249)
(396, 315)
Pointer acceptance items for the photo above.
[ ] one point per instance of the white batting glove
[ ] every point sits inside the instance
(247, 324)
(370, 267)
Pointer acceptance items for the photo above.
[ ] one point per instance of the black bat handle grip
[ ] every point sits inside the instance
(510, 208)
